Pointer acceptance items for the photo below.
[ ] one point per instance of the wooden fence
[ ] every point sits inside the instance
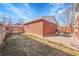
(2, 33)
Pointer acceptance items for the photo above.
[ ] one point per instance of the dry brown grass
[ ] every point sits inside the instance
(18, 45)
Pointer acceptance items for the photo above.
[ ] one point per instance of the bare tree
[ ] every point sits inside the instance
(5, 19)
(21, 21)
(67, 17)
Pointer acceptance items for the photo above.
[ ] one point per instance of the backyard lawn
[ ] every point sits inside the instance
(19, 45)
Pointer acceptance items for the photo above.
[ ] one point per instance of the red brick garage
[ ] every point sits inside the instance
(41, 26)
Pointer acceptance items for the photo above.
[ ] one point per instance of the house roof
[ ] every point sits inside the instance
(50, 19)
(47, 18)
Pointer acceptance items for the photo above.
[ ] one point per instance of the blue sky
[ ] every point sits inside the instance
(31, 11)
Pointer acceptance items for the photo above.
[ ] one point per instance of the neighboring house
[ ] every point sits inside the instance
(2, 33)
(77, 27)
(43, 26)
(65, 30)
(76, 15)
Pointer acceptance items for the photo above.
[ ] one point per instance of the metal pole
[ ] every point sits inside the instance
(74, 9)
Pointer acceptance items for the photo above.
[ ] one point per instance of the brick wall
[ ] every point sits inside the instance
(49, 28)
(34, 28)
(41, 28)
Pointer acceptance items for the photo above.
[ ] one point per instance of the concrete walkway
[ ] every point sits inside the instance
(69, 41)
(57, 45)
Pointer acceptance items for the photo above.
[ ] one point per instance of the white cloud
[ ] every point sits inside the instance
(29, 9)
(27, 6)
(21, 13)
(61, 11)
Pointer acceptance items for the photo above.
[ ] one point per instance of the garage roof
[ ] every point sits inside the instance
(47, 18)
